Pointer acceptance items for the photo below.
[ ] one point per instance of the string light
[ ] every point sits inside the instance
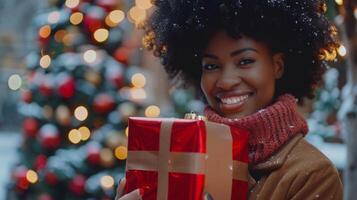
(143, 4)
(14, 82)
(53, 17)
(90, 56)
(31, 176)
(84, 132)
(137, 14)
(74, 136)
(101, 35)
(121, 152)
(45, 61)
(76, 18)
(81, 113)
(59, 35)
(45, 31)
(114, 18)
(152, 111)
(339, 2)
(72, 3)
(342, 51)
(107, 182)
(138, 80)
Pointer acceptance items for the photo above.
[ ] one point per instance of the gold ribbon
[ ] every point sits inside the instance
(216, 164)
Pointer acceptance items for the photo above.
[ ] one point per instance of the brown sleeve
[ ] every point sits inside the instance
(322, 182)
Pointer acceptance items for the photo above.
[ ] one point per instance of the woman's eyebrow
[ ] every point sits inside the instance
(239, 51)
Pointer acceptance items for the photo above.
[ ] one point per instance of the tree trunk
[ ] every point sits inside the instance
(348, 111)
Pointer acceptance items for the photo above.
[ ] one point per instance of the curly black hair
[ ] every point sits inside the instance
(179, 30)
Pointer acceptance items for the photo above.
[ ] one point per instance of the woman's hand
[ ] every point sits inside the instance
(137, 194)
(134, 195)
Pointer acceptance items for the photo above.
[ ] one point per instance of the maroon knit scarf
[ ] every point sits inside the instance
(269, 128)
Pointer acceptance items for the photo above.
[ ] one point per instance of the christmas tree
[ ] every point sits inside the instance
(80, 92)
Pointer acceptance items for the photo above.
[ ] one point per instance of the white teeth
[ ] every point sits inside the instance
(234, 100)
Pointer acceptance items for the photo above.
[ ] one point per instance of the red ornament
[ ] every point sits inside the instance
(103, 103)
(19, 174)
(30, 127)
(122, 55)
(49, 136)
(51, 178)
(40, 162)
(27, 96)
(77, 184)
(93, 156)
(66, 85)
(108, 5)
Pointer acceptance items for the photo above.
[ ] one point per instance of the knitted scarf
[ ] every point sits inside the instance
(269, 128)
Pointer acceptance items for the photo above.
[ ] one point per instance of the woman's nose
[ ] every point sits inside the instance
(228, 79)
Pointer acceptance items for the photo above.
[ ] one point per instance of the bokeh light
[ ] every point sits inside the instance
(72, 3)
(31, 176)
(14, 82)
(101, 35)
(342, 51)
(138, 80)
(76, 18)
(137, 93)
(45, 61)
(127, 131)
(152, 111)
(84, 132)
(74, 136)
(143, 4)
(114, 18)
(107, 182)
(137, 14)
(81, 113)
(53, 17)
(121, 152)
(90, 56)
(339, 2)
(45, 31)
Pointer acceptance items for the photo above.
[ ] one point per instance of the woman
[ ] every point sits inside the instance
(254, 60)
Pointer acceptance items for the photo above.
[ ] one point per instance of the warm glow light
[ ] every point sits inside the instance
(90, 56)
(127, 131)
(45, 61)
(31, 176)
(143, 4)
(68, 39)
(137, 93)
(138, 80)
(14, 82)
(101, 35)
(106, 155)
(152, 111)
(76, 18)
(85, 133)
(81, 113)
(114, 18)
(137, 14)
(45, 31)
(342, 51)
(72, 3)
(339, 2)
(74, 136)
(107, 182)
(59, 35)
(121, 152)
(53, 17)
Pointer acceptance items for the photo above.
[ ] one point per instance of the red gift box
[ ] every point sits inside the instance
(181, 159)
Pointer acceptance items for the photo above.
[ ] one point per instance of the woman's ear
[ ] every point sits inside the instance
(279, 66)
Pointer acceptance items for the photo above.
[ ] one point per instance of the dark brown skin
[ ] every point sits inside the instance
(242, 72)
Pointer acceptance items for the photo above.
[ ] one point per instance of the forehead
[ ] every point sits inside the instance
(221, 42)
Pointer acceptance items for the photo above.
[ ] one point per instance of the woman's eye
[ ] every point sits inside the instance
(209, 67)
(246, 62)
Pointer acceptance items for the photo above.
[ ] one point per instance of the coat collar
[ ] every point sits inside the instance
(275, 161)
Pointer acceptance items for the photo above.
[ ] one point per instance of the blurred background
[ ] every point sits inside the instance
(73, 71)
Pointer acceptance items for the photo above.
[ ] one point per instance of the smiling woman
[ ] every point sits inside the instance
(253, 60)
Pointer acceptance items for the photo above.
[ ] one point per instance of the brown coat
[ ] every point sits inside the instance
(297, 171)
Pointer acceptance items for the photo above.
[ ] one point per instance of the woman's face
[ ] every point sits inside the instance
(238, 76)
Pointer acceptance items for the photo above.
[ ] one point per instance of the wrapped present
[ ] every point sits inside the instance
(181, 159)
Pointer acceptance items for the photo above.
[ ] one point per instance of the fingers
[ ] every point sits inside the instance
(120, 188)
(207, 196)
(134, 195)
